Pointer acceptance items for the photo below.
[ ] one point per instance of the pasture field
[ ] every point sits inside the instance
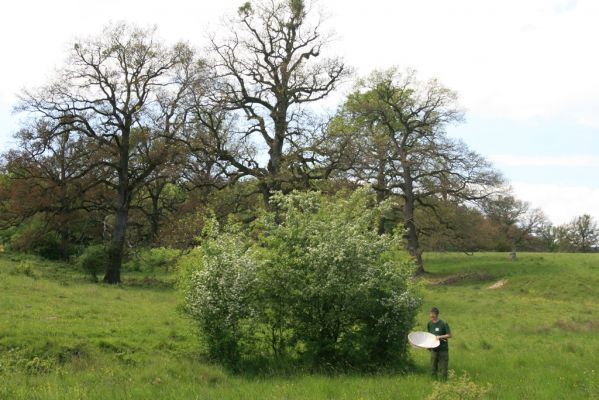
(535, 335)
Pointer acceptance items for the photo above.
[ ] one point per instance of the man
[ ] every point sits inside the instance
(440, 354)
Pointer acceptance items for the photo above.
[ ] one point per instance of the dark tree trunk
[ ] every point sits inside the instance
(265, 190)
(381, 193)
(117, 244)
(412, 238)
(413, 245)
(275, 152)
(154, 228)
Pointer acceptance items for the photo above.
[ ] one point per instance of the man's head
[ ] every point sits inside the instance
(434, 314)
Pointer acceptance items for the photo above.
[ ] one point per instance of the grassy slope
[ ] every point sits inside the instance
(536, 337)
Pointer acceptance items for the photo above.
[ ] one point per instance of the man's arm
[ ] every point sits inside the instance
(444, 336)
(447, 335)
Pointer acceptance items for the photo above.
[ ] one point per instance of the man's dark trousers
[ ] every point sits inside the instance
(439, 362)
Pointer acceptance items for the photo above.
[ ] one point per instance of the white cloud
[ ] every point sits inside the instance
(508, 58)
(586, 161)
(561, 203)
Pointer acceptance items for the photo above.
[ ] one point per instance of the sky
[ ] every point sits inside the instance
(526, 71)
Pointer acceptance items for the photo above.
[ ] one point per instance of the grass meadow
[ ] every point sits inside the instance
(534, 336)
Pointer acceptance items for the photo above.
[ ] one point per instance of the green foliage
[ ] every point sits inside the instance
(35, 237)
(18, 360)
(38, 366)
(149, 260)
(245, 10)
(462, 388)
(23, 268)
(454, 227)
(182, 232)
(94, 260)
(186, 265)
(6, 235)
(313, 281)
(219, 295)
(584, 233)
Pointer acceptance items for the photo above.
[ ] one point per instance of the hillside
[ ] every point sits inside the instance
(534, 335)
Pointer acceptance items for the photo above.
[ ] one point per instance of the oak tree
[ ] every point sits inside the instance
(399, 123)
(268, 70)
(126, 92)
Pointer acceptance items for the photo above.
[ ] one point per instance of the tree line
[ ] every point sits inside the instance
(136, 142)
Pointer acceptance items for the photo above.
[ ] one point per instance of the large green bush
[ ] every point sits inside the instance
(313, 281)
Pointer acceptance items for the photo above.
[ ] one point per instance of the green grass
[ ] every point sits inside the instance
(62, 337)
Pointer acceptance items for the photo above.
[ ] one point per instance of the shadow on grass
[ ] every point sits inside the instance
(459, 278)
(269, 368)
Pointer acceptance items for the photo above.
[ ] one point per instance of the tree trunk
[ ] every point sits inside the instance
(381, 194)
(275, 153)
(117, 246)
(413, 246)
(412, 238)
(266, 193)
(271, 182)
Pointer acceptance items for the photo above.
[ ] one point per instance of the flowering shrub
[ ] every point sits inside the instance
(219, 294)
(313, 281)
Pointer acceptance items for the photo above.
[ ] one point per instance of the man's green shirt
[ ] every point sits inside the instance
(439, 328)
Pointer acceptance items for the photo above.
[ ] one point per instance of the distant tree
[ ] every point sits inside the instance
(533, 225)
(451, 226)
(398, 124)
(517, 221)
(547, 234)
(505, 209)
(267, 71)
(563, 238)
(584, 233)
(52, 166)
(124, 91)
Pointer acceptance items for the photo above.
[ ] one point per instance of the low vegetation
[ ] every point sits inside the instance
(530, 338)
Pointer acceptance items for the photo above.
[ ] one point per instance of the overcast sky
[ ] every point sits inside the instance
(527, 71)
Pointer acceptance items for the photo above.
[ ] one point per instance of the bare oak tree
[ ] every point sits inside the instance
(266, 71)
(124, 91)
